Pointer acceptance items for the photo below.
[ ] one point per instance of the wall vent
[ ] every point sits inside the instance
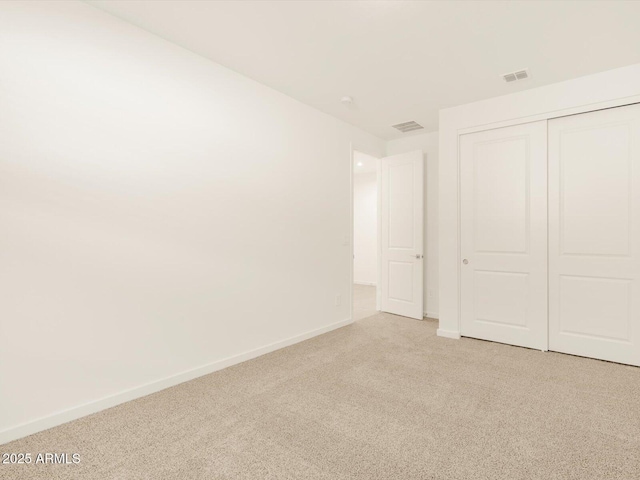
(515, 76)
(408, 126)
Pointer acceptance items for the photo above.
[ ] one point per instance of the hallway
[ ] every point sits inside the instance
(364, 301)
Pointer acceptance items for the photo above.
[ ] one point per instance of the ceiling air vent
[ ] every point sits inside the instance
(407, 126)
(515, 76)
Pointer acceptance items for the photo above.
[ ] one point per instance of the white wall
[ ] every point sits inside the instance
(365, 228)
(428, 143)
(160, 215)
(592, 92)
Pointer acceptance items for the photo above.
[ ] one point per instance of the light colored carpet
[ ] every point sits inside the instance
(364, 301)
(383, 398)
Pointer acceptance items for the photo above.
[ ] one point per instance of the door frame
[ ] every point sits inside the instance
(353, 148)
(496, 125)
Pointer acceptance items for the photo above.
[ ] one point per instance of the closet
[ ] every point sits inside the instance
(550, 234)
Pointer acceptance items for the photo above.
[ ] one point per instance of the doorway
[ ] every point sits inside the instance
(388, 224)
(365, 234)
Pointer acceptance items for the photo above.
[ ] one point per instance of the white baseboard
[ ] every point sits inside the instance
(448, 333)
(370, 284)
(432, 315)
(83, 410)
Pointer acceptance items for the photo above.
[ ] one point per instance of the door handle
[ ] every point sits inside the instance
(465, 261)
(418, 256)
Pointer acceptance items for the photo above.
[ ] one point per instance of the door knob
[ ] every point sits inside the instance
(465, 261)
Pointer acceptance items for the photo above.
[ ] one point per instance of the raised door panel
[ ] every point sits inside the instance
(502, 298)
(598, 308)
(595, 192)
(501, 214)
(400, 200)
(401, 280)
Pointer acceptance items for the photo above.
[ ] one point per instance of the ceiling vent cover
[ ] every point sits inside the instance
(515, 76)
(408, 126)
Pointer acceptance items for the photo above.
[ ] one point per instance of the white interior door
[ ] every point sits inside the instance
(594, 234)
(402, 206)
(503, 174)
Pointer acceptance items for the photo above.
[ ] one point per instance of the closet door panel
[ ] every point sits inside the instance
(504, 235)
(594, 236)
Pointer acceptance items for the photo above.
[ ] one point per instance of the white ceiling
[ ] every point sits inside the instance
(399, 60)
(363, 163)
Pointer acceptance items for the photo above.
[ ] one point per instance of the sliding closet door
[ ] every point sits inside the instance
(594, 234)
(503, 175)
